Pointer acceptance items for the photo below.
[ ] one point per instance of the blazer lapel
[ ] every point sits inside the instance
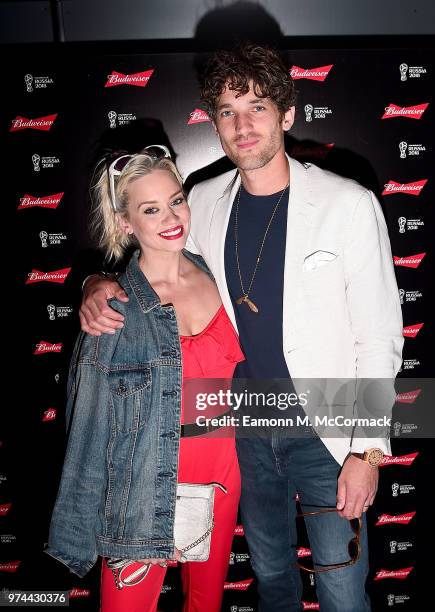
(218, 231)
(299, 220)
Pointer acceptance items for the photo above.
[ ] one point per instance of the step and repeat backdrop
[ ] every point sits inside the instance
(366, 114)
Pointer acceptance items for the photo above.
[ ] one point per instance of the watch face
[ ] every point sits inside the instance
(375, 456)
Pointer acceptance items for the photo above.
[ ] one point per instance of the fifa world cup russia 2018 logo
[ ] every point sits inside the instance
(393, 546)
(308, 108)
(51, 310)
(397, 426)
(401, 295)
(403, 72)
(28, 79)
(36, 159)
(395, 489)
(43, 236)
(390, 599)
(402, 223)
(112, 119)
(402, 147)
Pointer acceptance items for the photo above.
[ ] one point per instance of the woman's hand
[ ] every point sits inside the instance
(162, 562)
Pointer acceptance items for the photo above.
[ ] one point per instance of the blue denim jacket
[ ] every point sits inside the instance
(118, 488)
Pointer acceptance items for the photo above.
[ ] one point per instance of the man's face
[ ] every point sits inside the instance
(250, 128)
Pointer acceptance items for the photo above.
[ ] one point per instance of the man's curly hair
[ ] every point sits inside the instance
(237, 67)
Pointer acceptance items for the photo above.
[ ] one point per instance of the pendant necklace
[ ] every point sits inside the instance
(245, 294)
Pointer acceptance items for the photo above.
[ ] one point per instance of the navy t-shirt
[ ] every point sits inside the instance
(260, 333)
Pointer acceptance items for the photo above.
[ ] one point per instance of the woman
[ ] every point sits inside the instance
(125, 453)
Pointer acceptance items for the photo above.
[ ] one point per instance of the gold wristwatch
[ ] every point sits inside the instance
(372, 456)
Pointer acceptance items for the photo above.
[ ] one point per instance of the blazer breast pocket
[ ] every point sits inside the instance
(130, 392)
(322, 273)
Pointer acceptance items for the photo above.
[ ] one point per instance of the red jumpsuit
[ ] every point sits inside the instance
(213, 353)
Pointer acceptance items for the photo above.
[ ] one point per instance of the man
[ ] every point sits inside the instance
(303, 264)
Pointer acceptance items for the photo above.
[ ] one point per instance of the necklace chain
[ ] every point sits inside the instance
(236, 232)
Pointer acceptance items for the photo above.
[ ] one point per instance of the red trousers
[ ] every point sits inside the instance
(202, 582)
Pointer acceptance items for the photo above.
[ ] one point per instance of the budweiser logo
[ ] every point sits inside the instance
(198, 116)
(4, 509)
(310, 605)
(79, 592)
(400, 519)
(42, 123)
(302, 152)
(400, 574)
(238, 530)
(313, 74)
(47, 347)
(408, 397)
(412, 112)
(51, 201)
(57, 276)
(399, 459)
(49, 415)
(412, 330)
(411, 188)
(9, 566)
(242, 585)
(139, 79)
(412, 261)
(304, 552)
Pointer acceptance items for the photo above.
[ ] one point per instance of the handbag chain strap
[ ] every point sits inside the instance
(199, 540)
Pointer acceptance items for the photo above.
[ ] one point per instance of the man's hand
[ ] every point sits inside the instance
(96, 316)
(357, 486)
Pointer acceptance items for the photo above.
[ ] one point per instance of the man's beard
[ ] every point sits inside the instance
(254, 161)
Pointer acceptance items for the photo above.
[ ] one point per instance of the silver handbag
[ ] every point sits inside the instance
(193, 526)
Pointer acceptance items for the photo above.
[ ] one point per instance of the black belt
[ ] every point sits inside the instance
(189, 430)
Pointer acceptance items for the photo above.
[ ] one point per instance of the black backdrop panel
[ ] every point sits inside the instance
(343, 97)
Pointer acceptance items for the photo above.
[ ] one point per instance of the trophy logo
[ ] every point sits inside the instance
(308, 108)
(51, 310)
(403, 72)
(390, 599)
(36, 159)
(397, 425)
(232, 557)
(402, 222)
(233, 609)
(402, 148)
(28, 79)
(395, 489)
(393, 546)
(312, 579)
(112, 118)
(43, 236)
(57, 378)
(401, 295)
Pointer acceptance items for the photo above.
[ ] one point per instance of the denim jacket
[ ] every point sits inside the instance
(118, 488)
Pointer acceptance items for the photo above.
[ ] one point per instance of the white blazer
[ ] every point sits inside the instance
(341, 309)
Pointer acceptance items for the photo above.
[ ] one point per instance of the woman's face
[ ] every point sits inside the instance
(157, 212)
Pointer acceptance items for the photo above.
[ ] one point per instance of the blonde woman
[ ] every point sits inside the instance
(126, 450)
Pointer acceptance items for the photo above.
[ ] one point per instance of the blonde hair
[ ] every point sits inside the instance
(104, 225)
